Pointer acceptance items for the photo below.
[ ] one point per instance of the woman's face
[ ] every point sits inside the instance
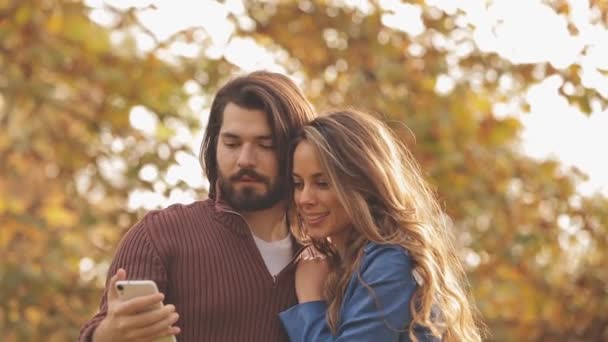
(315, 198)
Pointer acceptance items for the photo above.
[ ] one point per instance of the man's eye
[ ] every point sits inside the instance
(231, 144)
(267, 146)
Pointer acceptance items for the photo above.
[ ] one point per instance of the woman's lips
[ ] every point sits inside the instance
(315, 219)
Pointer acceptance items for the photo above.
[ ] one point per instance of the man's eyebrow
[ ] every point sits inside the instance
(229, 135)
(236, 136)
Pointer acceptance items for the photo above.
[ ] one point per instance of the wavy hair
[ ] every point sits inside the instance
(381, 187)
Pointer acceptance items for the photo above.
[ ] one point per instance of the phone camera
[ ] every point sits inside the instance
(119, 287)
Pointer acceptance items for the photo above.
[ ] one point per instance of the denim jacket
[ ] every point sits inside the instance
(381, 316)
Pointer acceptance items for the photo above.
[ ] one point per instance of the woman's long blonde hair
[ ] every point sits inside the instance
(381, 187)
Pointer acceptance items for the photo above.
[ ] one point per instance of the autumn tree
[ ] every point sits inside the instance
(71, 153)
(533, 246)
(69, 156)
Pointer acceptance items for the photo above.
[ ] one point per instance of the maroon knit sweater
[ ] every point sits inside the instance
(204, 259)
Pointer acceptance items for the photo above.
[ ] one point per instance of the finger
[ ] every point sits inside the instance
(309, 253)
(304, 254)
(303, 261)
(313, 259)
(157, 329)
(303, 258)
(170, 331)
(119, 275)
(325, 264)
(139, 304)
(148, 318)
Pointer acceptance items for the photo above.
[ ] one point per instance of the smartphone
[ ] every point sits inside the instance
(128, 289)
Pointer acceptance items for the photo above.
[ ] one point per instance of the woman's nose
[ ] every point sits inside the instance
(306, 196)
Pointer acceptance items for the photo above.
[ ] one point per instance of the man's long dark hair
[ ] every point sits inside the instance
(286, 108)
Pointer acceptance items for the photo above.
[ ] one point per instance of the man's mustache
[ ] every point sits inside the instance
(249, 174)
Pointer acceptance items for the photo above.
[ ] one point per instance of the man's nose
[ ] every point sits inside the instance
(246, 158)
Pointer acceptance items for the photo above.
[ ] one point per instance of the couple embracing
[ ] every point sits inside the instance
(317, 228)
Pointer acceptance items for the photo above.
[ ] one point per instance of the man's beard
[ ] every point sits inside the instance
(248, 198)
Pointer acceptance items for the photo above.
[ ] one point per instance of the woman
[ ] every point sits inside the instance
(383, 267)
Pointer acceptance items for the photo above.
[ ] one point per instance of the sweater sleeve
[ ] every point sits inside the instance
(381, 315)
(137, 255)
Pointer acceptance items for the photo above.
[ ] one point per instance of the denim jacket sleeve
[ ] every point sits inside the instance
(380, 315)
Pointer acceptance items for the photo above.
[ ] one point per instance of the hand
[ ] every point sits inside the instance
(311, 274)
(137, 319)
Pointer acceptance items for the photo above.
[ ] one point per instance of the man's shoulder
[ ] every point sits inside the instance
(176, 215)
(166, 229)
(197, 208)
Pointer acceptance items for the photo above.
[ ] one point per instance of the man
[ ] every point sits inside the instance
(224, 266)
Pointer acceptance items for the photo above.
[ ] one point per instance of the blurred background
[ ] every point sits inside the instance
(504, 103)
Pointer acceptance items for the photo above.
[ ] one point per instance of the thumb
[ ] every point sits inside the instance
(121, 274)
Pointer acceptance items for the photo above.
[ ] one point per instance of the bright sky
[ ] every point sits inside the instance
(523, 31)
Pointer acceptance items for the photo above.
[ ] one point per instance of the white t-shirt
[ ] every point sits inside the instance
(276, 254)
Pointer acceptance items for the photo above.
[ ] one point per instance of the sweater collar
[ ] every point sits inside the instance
(219, 203)
(233, 220)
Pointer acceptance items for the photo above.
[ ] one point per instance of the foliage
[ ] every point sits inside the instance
(65, 97)
(535, 250)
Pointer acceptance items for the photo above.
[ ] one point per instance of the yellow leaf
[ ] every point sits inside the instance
(33, 315)
(16, 205)
(5, 139)
(23, 15)
(70, 239)
(58, 216)
(6, 234)
(13, 316)
(55, 23)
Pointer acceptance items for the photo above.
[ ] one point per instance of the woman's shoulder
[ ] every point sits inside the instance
(385, 257)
